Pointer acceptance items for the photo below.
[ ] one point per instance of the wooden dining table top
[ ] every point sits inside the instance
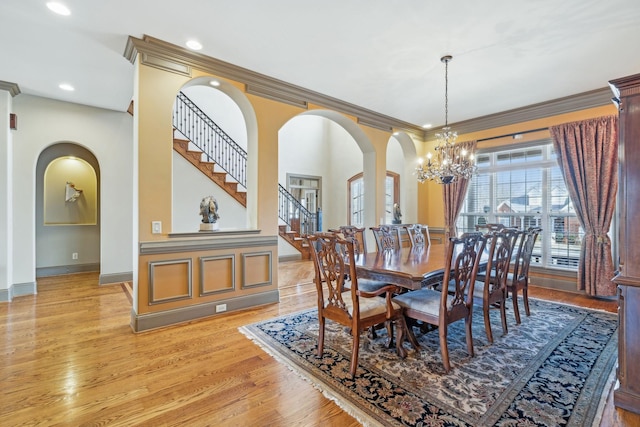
(404, 267)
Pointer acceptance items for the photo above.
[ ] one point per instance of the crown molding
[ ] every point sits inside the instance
(626, 86)
(276, 95)
(567, 104)
(167, 56)
(12, 88)
(160, 54)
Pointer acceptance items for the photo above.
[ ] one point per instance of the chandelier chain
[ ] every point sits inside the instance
(446, 92)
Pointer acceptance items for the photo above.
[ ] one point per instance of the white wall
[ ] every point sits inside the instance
(221, 109)
(314, 145)
(6, 195)
(303, 147)
(189, 187)
(346, 161)
(108, 135)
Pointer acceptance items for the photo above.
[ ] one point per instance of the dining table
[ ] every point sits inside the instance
(405, 267)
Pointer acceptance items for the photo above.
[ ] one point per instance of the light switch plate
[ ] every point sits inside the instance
(156, 227)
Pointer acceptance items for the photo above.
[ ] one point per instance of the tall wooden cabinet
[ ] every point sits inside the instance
(627, 393)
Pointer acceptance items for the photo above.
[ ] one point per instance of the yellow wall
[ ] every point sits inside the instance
(157, 90)
(271, 116)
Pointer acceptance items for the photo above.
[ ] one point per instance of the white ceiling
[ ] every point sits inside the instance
(383, 55)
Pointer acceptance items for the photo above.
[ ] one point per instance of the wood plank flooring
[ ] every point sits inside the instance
(69, 357)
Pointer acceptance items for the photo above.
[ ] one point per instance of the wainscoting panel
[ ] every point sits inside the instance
(217, 274)
(170, 280)
(256, 269)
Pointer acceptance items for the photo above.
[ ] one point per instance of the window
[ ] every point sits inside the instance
(356, 201)
(391, 195)
(524, 188)
(356, 198)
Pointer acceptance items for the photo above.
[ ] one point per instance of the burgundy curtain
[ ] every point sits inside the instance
(587, 152)
(454, 194)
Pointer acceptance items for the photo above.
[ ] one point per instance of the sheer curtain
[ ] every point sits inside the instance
(587, 152)
(454, 194)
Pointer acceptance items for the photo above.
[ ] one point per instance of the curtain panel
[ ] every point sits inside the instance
(587, 153)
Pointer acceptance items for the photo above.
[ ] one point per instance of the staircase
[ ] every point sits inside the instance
(299, 221)
(207, 168)
(295, 240)
(198, 137)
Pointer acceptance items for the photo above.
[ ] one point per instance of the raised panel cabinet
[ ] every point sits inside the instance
(627, 96)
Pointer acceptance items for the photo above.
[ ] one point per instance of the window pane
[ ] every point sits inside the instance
(388, 201)
(524, 188)
(559, 200)
(357, 202)
(478, 199)
(566, 241)
(482, 161)
(520, 156)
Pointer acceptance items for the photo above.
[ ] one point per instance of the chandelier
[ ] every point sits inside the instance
(451, 161)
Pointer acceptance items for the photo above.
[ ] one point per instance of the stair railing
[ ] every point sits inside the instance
(205, 134)
(296, 216)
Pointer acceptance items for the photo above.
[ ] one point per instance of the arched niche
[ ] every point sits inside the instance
(70, 193)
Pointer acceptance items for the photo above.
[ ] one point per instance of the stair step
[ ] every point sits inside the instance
(206, 167)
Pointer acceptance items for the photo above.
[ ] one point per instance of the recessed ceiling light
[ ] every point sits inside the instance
(214, 83)
(194, 45)
(58, 8)
(427, 125)
(66, 86)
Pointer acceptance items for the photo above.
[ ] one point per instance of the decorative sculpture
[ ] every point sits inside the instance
(396, 214)
(209, 210)
(71, 193)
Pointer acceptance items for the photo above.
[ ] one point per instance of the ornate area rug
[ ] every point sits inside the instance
(555, 369)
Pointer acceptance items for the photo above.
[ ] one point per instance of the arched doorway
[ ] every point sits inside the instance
(233, 117)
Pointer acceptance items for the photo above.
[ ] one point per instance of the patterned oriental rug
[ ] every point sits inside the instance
(555, 369)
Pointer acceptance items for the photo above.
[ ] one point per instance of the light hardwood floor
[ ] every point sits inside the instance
(69, 357)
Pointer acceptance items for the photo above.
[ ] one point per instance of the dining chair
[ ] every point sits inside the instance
(387, 238)
(359, 237)
(440, 308)
(418, 235)
(490, 227)
(334, 260)
(490, 289)
(519, 279)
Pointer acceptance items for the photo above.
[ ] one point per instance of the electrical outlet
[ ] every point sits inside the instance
(74, 255)
(221, 307)
(156, 227)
